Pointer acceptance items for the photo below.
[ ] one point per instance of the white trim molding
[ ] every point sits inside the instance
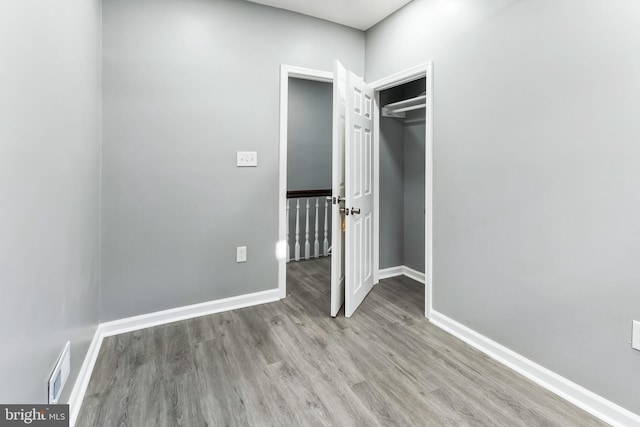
(402, 77)
(149, 320)
(82, 381)
(428, 197)
(592, 403)
(413, 274)
(401, 270)
(387, 273)
(286, 72)
(376, 188)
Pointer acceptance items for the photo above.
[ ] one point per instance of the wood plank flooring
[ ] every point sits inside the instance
(289, 364)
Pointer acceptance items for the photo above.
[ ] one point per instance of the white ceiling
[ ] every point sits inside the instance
(359, 14)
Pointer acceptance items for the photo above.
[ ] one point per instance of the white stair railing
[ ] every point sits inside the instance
(307, 247)
(316, 243)
(326, 228)
(309, 195)
(288, 245)
(297, 247)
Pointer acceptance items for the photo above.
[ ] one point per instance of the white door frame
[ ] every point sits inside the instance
(287, 71)
(423, 70)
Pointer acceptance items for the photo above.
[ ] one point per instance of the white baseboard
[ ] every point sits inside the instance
(413, 274)
(596, 405)
(401, 270)
(148, 320)
(386, 273)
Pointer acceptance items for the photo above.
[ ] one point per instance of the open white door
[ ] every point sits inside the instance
(358, 192)
(338, 189)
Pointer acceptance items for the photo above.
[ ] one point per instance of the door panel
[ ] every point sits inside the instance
(358, 192)
(338, 189)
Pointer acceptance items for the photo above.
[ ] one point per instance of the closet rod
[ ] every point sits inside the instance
(407, 102)
(411, 108)
(397, 108)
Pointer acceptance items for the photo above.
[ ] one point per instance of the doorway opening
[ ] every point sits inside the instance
(305, 173)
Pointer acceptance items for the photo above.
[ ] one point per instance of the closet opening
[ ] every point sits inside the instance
(402, 185)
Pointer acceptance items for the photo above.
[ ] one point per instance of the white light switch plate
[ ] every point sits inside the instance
(247, 159)
(241, 254)
(635, 332)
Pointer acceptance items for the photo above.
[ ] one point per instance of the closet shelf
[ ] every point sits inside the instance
(397, 109)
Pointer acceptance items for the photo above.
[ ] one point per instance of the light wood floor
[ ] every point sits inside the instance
(289, 364)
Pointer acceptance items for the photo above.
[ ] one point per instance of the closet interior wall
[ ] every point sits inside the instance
(402, 182)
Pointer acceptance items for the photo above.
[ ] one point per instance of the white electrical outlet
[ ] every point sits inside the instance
(60, 374)
(241, 254)
(635, 335)
(247, 159)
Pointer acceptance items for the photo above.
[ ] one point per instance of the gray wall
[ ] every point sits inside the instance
(402, 144)
(391, 193)
(536, 224)
(49, 187)
(187, 83)
(413, 189)
(309, 136)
